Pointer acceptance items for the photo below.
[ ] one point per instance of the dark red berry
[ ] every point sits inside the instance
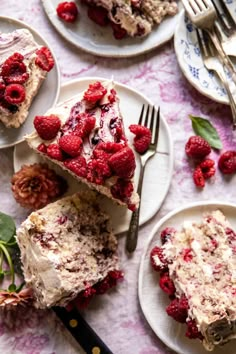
(192, 330)
(95, 92)
(44, 59)
(207, 167)
(166, 284)
(67, 11)
(158, 259)
(14, 93)
(198, 177)
(71, 144)
(122, 190)
(118, 31)
(227, 162)
(77, 165)
(98, 15)
(123, 163)
(142, 138)
(47, 127)
(14, 72)
(166, 234)
(54, 151)
(197, 147)
(178, 309)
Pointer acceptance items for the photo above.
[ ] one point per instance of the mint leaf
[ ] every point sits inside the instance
(12, 288)
(206, 130)
(7, 227)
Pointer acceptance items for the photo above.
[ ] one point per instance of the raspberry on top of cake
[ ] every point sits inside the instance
(24, 65)
(85, 136)
(68, 251)
(198, 271)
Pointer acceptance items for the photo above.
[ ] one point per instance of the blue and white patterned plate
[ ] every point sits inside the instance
(190, 60)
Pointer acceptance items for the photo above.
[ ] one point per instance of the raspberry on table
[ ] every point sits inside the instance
(95, 92)
(67, 11)
(77, 165)
(227, 162)
(207, 167)
(123, 163)
(178, 309)
(54, 151)
(14, 93)
(142, 138)
(47, 127)
(98, 15)
(197, 147)
(44, 59)
(158, 259)
(166, 284)
(198, 177)
(71, 144)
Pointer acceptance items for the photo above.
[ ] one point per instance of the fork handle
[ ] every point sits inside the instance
(132, 235)
(232, 99)
(225, 60)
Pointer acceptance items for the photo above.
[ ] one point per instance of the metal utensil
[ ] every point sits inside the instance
(203, 15)
(153, 123)
(211, 62)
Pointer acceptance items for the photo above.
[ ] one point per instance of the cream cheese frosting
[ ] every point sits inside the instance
(64, 247)
(21, 41)
(202, 264)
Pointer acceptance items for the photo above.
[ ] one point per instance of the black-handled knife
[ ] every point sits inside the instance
(81, 331)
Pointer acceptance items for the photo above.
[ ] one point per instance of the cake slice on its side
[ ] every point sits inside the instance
(68, 248)
(198, 267)
(23, 67)
(85, 136)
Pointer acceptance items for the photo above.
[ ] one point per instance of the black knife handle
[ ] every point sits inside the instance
(81, 331)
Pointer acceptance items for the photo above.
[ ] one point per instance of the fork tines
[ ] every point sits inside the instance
(225, 18)
(151, 121)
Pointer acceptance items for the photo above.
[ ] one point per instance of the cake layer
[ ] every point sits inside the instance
(66, 247)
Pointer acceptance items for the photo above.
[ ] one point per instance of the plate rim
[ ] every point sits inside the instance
(32, 30)
(156, 227)
(164, 122)
(47, 11)
(185, 72)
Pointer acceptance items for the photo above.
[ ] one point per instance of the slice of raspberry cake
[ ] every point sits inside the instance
(68, 251)
(85, 136)
(198, 272)
(23, 67)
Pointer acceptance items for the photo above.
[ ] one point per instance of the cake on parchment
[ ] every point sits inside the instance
(85, 136)
(198, 271)
(23, 67)
(68, 249)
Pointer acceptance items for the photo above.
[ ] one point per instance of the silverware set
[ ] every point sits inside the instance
(216, 33)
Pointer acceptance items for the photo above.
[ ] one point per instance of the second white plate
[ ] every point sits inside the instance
(153, 300)
(158, 170)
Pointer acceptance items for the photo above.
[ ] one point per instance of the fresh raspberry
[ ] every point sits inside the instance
(166, 284)
(42, 148)
(14, 72)
(114, 277)
(95, 92)
(227, 162)
(142, 138)
(112, 96)
(102, 287)
(85, 124)
(71, 144)
(118, 31)
(98, 171)
(99, 15)
(67, 11)
(101, 155)
(158, 259)
(207, 167)
(109, 281)
(2, 90)
(192, 330)
(84, 298)
(110, 147)
(178, 309)
(54, 151)
(15, 57)
(187, 254)
(166, 234)
(123, 163)
(47, 127)
(44, 59)
(197, 147)
(122, 190)
(198, 177)
(77, 165)
(14, 93)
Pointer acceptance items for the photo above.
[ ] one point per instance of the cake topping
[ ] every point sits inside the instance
(67, 11)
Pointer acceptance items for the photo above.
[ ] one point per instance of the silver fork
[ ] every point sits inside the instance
(203, 15)
(153, 124)
(211, 62)
(226, 27)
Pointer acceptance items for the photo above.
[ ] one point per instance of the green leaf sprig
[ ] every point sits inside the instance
(7, 243)
(205, 129)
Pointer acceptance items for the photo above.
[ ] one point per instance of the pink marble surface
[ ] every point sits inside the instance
(117, 316)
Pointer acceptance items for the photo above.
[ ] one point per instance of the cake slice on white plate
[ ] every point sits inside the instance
(68, 251)
(85, 136)
(24, 65)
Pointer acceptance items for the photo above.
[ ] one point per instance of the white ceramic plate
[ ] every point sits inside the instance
(153, 300)
(190, 60)
(158, 170)
(97, 40)
(47, 94)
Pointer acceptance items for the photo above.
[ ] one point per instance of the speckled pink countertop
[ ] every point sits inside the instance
(116, 317)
